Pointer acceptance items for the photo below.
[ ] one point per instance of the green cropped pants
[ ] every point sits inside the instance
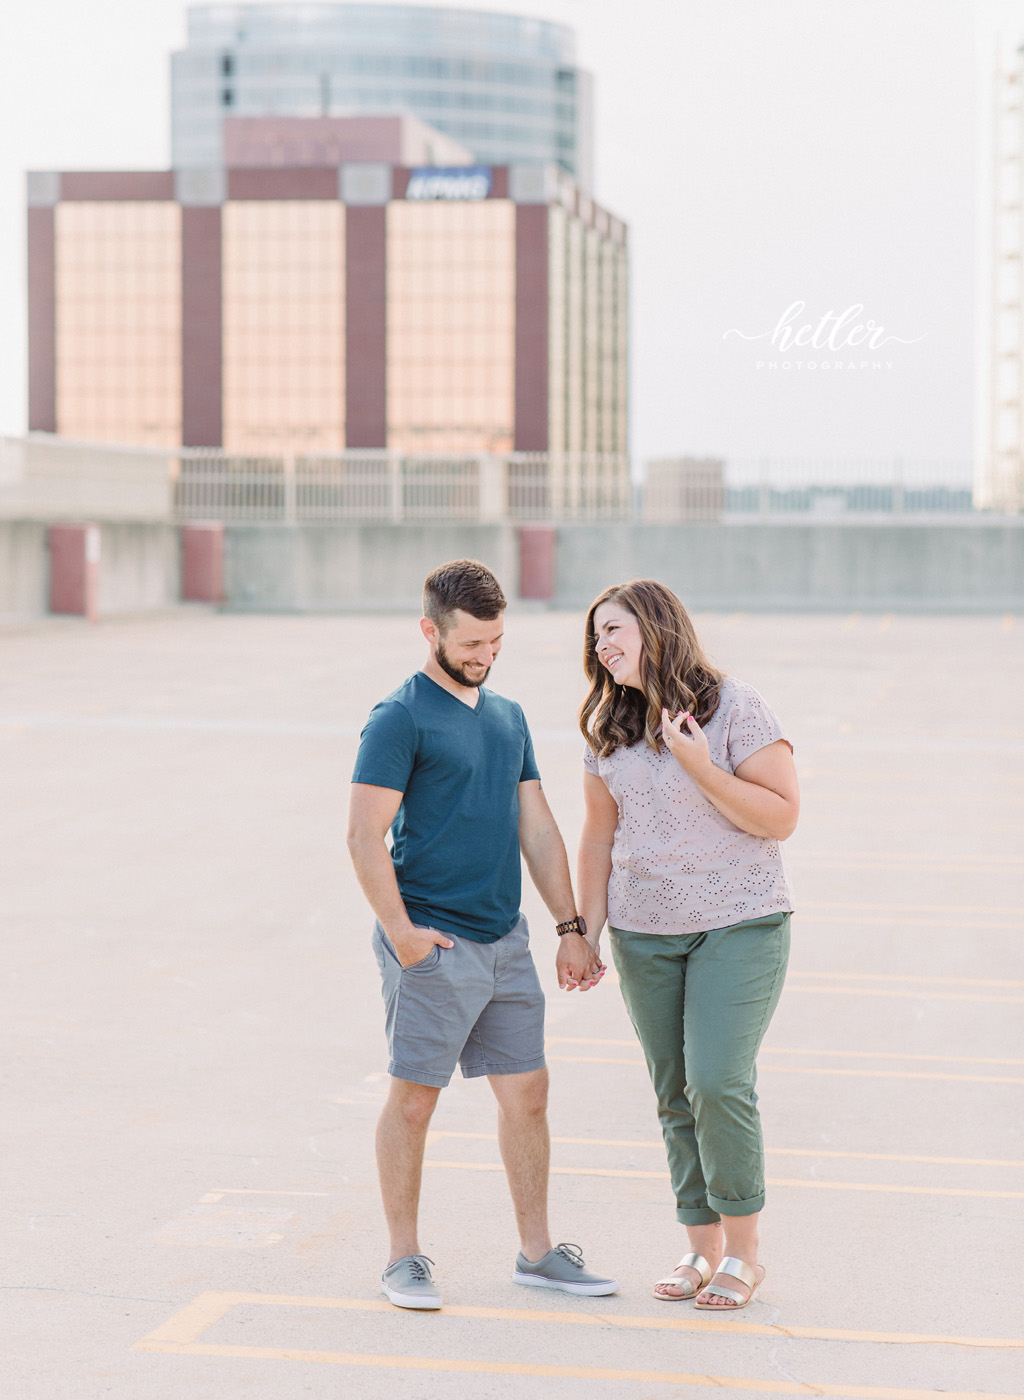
(700, 1004)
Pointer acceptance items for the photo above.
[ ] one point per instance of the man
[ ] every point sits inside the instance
(449, 768)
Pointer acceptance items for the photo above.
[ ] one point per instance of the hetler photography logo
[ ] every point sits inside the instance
(840, 340)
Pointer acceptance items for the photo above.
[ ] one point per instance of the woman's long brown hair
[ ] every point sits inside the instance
(674, 671)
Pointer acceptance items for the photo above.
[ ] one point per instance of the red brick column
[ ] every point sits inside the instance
(366, 349)
(531, 393)
(42, 322)
(202, 562)
(201, 328)
(538, 550)
(74, 569)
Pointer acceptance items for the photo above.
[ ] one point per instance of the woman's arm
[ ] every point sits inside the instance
(762, 797)
(594, 865)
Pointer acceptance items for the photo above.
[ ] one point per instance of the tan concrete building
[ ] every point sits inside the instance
(306, 309)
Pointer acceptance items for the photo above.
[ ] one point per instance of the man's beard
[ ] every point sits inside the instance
(456, 672)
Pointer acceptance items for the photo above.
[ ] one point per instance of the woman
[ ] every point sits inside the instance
(689, 787)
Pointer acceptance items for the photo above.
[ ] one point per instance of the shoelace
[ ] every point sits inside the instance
(571, 1253)
(418, 1266)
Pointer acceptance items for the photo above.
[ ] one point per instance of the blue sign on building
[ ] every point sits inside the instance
(465, 182)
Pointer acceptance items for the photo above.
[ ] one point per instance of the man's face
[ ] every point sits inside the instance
(468, 648)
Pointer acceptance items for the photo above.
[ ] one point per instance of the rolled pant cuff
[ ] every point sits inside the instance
(750, 1207)
(696, 1215)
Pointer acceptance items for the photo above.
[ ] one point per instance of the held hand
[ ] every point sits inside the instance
(578, 963)
(686, 742)
(417, 945)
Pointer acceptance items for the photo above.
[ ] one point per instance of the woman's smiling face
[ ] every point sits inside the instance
(617, 643)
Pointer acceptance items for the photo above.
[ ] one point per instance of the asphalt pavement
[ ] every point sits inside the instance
(194, 1054)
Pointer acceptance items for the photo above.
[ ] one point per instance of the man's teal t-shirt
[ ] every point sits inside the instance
(455, 840)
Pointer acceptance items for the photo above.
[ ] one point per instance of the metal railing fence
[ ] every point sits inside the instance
(389, 486)
(706, 488)
(824, 488)
(46, 477)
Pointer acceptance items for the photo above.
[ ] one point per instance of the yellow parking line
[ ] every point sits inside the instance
(584, 1373)
(219, 1192)
(892, 1074)
(892, 1055)
(891, 1157)
(588, 1040)
(884, 1189)
(436, 1134)
(630, 1043)
(194, 1318)
(851, 622)
(190, 1322)
(897, 1190)
(813, 1069)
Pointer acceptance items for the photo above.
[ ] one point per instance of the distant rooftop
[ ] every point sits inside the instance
(504, 86)
(369, 26)
(269, 142)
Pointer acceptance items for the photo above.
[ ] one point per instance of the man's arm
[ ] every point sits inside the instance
(371, 812)
(543, 849)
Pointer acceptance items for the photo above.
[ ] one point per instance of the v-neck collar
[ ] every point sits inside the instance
(473, 709)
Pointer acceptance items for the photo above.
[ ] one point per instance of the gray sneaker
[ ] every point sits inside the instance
(562, 1268)
(408, 1283)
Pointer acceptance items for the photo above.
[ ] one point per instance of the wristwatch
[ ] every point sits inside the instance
(576, 925)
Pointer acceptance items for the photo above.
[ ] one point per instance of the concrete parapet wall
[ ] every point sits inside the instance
(139, 568)
(311, 568)
(45, 477)
(24, 569)
(969, 566)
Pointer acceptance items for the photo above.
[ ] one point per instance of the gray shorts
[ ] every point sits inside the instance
(478, 1005)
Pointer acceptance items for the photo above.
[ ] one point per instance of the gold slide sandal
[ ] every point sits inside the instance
(688, 1261)
(743, 1273)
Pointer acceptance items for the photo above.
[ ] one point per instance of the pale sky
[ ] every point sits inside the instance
(763, 152)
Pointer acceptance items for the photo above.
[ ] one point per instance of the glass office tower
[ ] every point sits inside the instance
(505, 86)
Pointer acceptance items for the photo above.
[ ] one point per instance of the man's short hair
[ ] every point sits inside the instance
(464, 585)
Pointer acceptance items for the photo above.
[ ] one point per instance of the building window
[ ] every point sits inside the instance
(227, 65)
(451, 326)
(227, 98)
(118, 271)
(284, 326)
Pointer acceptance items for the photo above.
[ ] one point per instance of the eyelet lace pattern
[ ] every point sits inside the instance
(679, 865)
